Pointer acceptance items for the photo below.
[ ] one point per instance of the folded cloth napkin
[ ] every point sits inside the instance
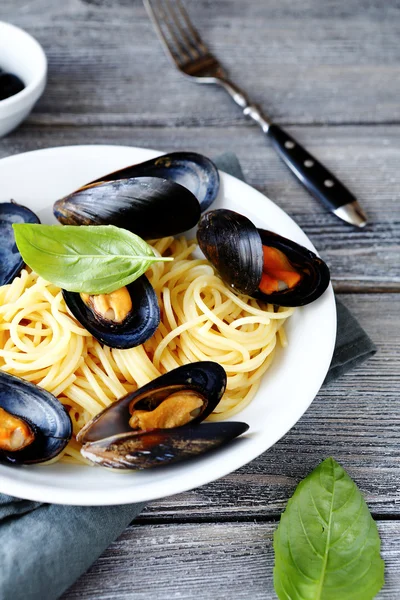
(35, 538)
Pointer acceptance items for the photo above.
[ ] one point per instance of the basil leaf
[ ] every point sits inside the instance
(93, 259)
(327, 544)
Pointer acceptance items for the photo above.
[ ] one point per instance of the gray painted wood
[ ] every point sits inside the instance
(208, 562)
(305, 62)
(366, 158)
(330, 72)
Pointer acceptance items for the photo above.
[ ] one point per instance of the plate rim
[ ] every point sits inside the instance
(45, 493)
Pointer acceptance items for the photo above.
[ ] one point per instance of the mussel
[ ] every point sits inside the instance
(148, 206)
(34, 425)
(159, 197)
(260, 263)
(159, 423)
(122, 319)
(194, 171)
(11, 261)
(147, 449)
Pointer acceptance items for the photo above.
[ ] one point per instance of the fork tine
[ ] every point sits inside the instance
(191, 28)
(190, 44)
(178, 57)
(175, 28)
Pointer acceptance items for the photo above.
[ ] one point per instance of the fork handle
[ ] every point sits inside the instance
(249, 109)
(316, 178)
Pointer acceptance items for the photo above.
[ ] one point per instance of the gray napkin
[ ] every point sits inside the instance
(35, 537)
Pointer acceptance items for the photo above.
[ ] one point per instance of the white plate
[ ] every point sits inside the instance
(37, 179)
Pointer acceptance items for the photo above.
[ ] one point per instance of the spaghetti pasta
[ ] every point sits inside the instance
(201, 319)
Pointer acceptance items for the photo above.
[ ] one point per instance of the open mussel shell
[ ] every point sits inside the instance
(138, 327)
(45, 415)
(233, 244)
(148, 206)
(11, 261)
(194, 171)
(315, 276)
(158, 447)
(206, 378)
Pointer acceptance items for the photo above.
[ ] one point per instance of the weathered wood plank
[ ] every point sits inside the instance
(355, 420)
(208, 561)
(365, 158)
(305, 62)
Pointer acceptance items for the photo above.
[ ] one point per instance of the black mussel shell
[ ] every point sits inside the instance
(194, 171)
(136, 329)
(43, 412)
(158, 447)
(11, 261)
(206, 378)
(233, 244)
(148, 206)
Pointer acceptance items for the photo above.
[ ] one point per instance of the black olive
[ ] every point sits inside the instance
(9, 85)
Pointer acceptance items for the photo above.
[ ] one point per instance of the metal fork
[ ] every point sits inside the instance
(189, 53)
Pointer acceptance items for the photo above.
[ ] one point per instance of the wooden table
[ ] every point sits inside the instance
(330, 72)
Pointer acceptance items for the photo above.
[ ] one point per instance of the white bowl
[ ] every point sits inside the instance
(23, 56)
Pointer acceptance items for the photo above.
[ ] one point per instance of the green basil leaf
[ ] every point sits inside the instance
(327, 544)
(93, 259)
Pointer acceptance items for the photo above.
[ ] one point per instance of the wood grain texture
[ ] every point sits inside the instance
(330, 71)
(208, 562)
(365, 158)
(308, 62)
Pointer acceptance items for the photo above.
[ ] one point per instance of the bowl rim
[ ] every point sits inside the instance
(35, 87)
